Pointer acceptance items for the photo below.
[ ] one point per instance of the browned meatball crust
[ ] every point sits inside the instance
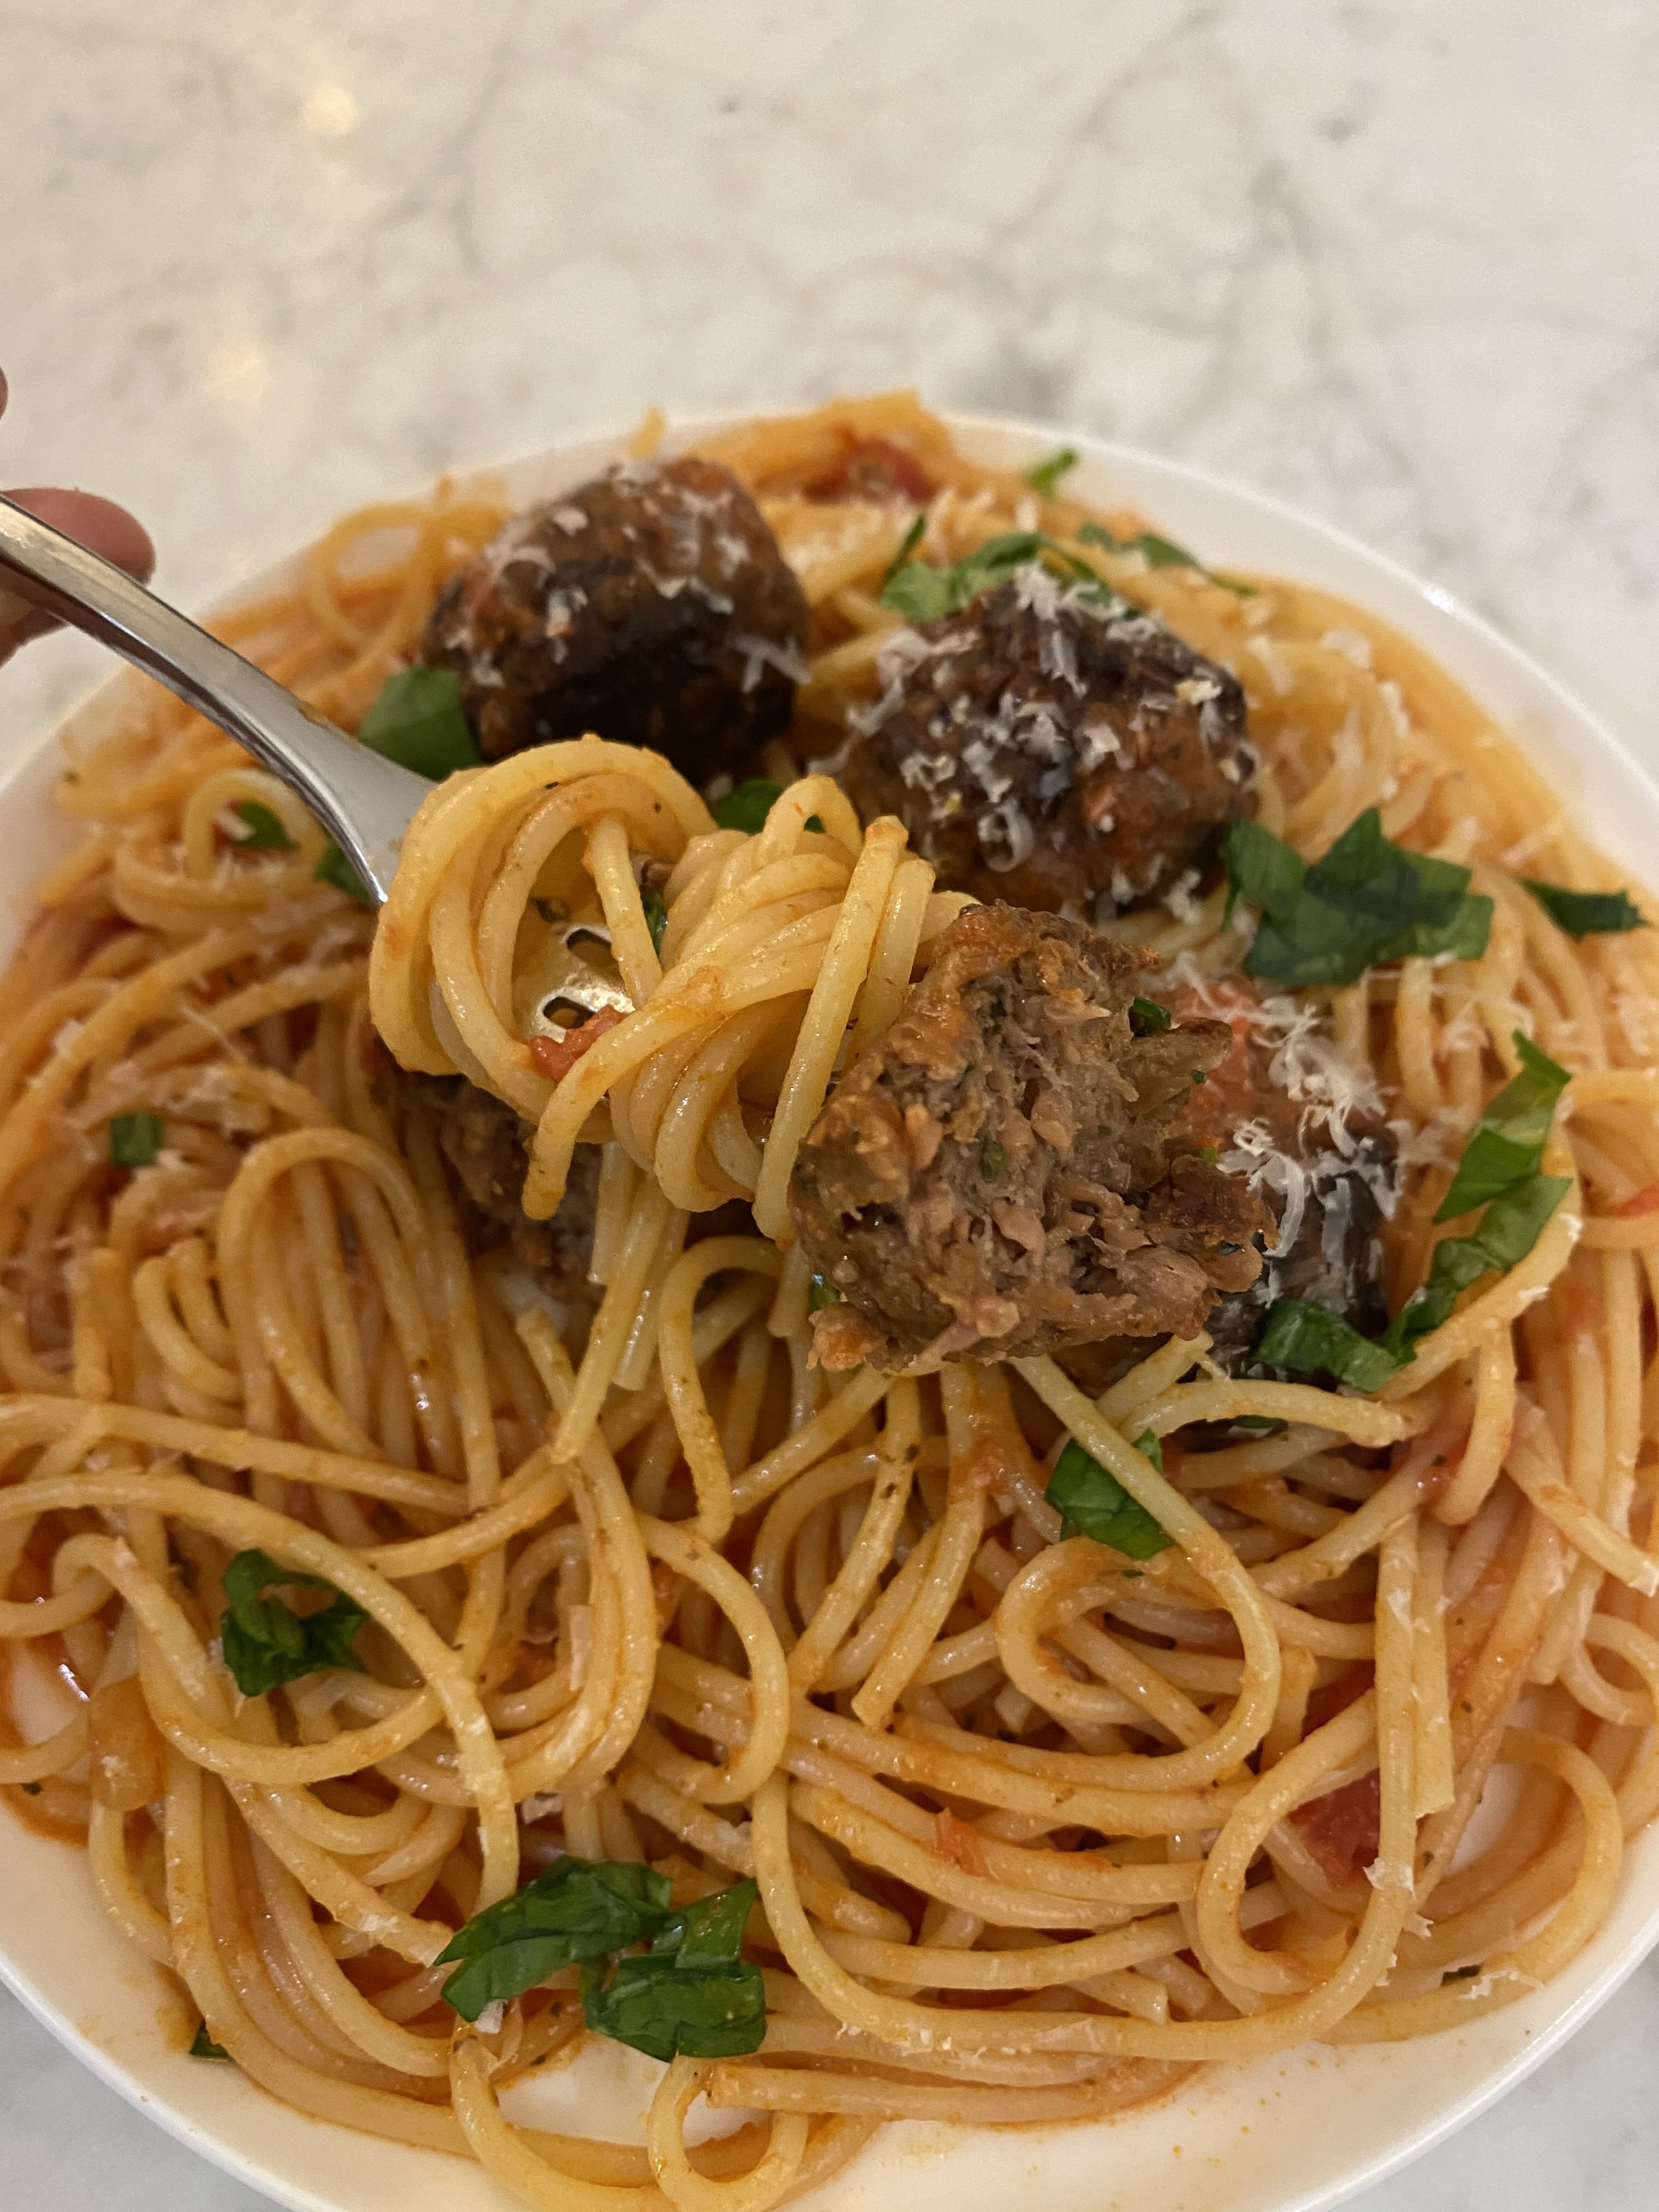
(1010, 1168)
(486, 1145)
(651, 606)
(1055, 747)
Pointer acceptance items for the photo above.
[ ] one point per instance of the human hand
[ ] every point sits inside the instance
(97, 524)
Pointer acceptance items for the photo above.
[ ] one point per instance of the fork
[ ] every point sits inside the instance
(364, 802)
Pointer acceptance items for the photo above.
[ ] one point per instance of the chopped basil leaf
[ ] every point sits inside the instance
(1145, 1015)
(1093, 1502)
(912, 538)
(1510, 1227)
(992, 1162)
(1258, 1423)
(821, 1292)
(1157, 553)
(204, 2047)
(1311, 1340)
(1587, 913)
(266, 1642)
(577, 1909)
(1507, 1140)
(417, 721)
(656, 916)
(335, 868)
(135, 1139)
(747, 807)
(1367, 901)
(922, 593)
(265, 833)
(692, 1994)
(1499, 1171)
(1046, 476)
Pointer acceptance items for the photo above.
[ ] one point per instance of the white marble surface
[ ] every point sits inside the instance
(1394, 261)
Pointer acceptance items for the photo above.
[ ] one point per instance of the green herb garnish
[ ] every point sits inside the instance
(1508, 1142)
(692, 1994)
(577, 1909)
(908, 544)
(821, 1292)
(1046, 476)
(267, 1643)
(1093, 1502)
(1510, 1227)
(1499, 1171)
(656, 916)
(416, 721)
(135, 1139)
(1145, 1015)
(265, 832)
(1159, 553)
(1308, 1339)
(204, 2047)
(922, 593)
(1587, 913)
(747, 807)
(992, 1161)
(335, 868)
(1367, 901)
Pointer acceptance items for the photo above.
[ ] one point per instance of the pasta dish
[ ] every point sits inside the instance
(929, 1385)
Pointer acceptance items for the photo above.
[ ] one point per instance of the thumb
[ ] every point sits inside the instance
(97, 524)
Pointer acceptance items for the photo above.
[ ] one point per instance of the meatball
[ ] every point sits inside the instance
(1010, 1168)
(651, 606)
(1285, 1111)
(484, 1143)
(1054, 746)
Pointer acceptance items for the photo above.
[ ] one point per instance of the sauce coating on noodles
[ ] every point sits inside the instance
(469, 1578)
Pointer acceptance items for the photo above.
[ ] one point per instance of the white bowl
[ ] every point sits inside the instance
(1293, 2134)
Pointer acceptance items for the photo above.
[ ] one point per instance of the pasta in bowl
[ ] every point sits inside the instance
(1086, 1695)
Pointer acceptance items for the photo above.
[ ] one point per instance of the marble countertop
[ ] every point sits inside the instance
(1395, 262)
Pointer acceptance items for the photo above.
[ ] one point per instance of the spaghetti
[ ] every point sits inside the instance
(1035, 1826)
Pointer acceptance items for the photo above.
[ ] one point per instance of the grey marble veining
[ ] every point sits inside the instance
(1395, 262)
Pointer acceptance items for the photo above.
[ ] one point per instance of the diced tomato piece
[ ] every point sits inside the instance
(1579, 1305)
(372, 1057)
(555, 1057)
(874, 468)
(1343, 1829)
(953, 1839)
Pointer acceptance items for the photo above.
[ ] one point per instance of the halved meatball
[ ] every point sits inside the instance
(1054, 746)
(1010, 1169)
(486, 1145)
(1307, 1130)
(651, 606)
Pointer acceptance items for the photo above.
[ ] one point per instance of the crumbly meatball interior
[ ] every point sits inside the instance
(652, 606)
(1010, 1169)
(1055, 747)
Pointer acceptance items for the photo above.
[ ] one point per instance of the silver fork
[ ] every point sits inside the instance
(364, 802)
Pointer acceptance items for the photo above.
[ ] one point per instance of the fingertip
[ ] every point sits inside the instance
(98, 524)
